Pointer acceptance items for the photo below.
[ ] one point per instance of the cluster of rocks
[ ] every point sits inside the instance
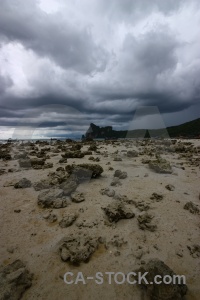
(77, 197)
(120, 174)
(142, 205)
(2, 171)
(145, 222)
(59, 189)
(53, 198)
(15, 279)
(132, 153)
(116, 182)
(77, 248)
(23, 183)
(73, 154)
(194, 250)
(160, 165)
(116, 211)
(117, 158)
(163, 291)
(35, 163)
(193, 208)
(68, 220)
(108, 192)
(84, 171)
(170, 187)
(5, 155)
(92, 147)
(156, 197)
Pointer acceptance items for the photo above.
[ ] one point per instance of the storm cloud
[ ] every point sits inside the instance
(65, 65)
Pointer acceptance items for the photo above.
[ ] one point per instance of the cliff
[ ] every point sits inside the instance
(187, 130)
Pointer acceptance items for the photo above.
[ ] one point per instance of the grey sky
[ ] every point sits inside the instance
(101, 59)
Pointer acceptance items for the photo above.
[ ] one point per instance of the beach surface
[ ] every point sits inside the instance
(113, 221)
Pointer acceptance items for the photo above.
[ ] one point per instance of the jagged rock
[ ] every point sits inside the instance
(67, 220)
(145, 161)
(73, 154)
(42, 155)
(117, 158)
(56, 151)
(107, 192)
(144, 221)
(116, 241)
(124, 198)
(117, 211)
(37, 167)
(52, 198)
(123, 175)
(2, 171)
(97, 159)
(91, 158)
(32, 153)
(160, 165)
(41, 185)
(56, 178)
(193, 208)
(132, 153)
(60, 169)
(37, 162)
(156, 197)
(77, 248)
(20, 155)
(25, 163)
(77, 197)
(194, 251)
(116, 182)
(63, 161)
(87, 224)
(180, 148)
(76, 147)
(84, 171)
(69, 141)
(22, 184)
(172, 291)
(14, 280)
(92, 148)
(170, 187)
(69, 186)
(120, 174)
(51, 218)
(117, 173)
(48, 165)
(87, 152)
(142, 206)
(4, 155)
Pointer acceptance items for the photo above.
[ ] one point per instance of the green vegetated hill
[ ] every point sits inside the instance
(189, 129)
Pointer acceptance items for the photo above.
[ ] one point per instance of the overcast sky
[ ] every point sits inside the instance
(65, 64)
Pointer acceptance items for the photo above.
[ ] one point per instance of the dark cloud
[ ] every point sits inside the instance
(5, 82)
(97, 62)
(51, 35)
(132, 11)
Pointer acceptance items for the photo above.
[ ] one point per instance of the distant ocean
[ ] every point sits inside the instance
(34, 140)
(3, 141)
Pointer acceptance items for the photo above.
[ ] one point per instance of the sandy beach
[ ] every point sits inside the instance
(155, 181)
